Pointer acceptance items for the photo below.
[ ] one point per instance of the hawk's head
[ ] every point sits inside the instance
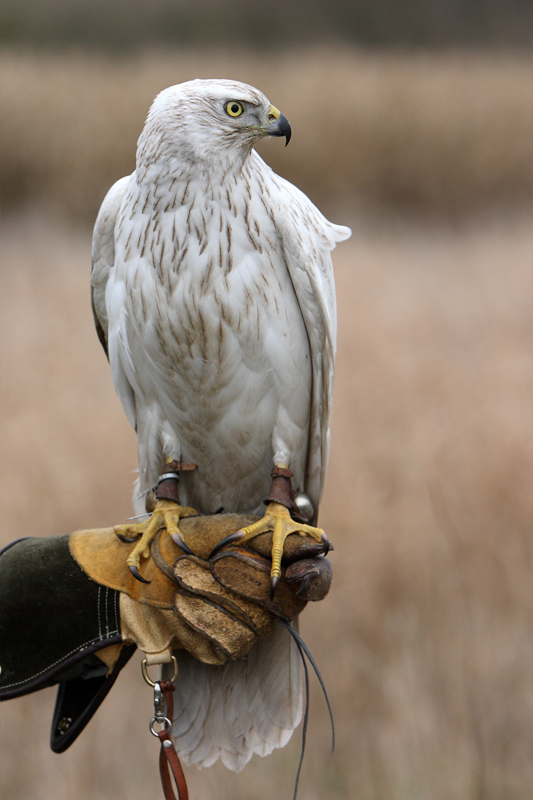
(208, 123)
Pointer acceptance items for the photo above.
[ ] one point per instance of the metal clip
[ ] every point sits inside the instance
(160, 711)
(144, 668)
(160, 704)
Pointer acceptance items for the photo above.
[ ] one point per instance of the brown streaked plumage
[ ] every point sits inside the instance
(220, 328)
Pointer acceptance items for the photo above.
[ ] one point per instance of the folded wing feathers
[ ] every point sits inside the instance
(103, 248)
(308, 237)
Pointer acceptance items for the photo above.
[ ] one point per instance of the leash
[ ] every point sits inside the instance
(169, 763)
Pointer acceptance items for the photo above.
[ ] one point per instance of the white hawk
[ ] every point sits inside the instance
(213, 295)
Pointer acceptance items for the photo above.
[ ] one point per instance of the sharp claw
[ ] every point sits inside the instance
(125, 538)
(326, 543)
(136, 574)
(233, 537)
(179, 541)
(273, 584)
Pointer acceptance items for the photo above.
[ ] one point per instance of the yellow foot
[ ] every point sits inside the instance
(166, 514)
(278, 520)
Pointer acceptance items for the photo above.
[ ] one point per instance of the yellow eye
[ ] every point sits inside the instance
(234, 108)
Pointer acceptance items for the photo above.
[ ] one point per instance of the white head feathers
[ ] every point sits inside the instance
(190, 122)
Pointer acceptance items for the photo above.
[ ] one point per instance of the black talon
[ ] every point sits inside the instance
(136, 574)
(233, 537)
(326, 544)
(176, 538)
(273, 584)
(125, 538)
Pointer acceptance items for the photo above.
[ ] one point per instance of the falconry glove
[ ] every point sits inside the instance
(71, 612)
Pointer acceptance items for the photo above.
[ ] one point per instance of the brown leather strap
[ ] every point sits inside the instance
(168, 489)
(168, 758)
(169, 762)
(178, 466)
(167, 687)
(283, 471)
(281, 492)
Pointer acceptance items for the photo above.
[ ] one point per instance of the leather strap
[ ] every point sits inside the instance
(280, 471)
(281, 492)
(167, 489)
(169, 762)
(178, 466)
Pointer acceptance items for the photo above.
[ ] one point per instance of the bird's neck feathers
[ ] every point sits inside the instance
(174, 149)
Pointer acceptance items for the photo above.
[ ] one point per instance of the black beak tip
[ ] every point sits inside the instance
(282, 127)
(286, 129)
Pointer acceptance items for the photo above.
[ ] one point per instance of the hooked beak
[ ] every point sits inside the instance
(280, 125)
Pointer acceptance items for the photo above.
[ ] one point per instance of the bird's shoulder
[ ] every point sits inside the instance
(295, 214)
(103, 255)
(104, 228)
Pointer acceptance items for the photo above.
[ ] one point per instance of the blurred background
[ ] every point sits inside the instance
(412, 123)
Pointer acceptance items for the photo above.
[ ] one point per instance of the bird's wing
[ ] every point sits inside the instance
(103, 256)
(307, 238)
(103, 259)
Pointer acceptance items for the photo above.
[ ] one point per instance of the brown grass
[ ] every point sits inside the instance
(425, 641)
(431, 133)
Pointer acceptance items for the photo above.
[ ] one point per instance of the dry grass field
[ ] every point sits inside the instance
(426, 640)
(432, 134)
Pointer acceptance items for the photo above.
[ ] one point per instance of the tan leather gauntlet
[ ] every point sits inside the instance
(216, 609)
